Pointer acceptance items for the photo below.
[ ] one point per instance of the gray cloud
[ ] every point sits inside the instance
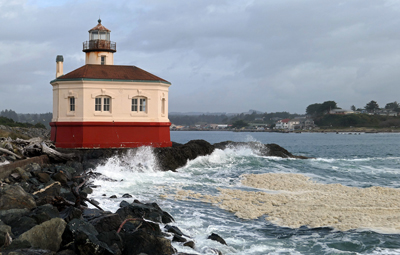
(219, 55)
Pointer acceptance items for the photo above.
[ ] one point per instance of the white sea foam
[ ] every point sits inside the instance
(304, 202)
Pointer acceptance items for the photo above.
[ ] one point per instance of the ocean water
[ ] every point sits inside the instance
(349, 204)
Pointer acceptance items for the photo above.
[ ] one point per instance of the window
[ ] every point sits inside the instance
(72, 104)
(102, 35)
(142, 107)
(106, 105)
(95, 35)
(98, 104)
(102, 104)
(134, 104)
(103, 60)
(139, 104)
(163, 106)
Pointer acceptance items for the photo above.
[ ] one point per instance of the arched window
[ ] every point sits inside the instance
(102, 104)
(139, 104)
(163, 106)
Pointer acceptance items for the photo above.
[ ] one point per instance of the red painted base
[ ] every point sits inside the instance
(110, 135)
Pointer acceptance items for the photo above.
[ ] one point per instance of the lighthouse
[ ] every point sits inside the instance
(102, 105)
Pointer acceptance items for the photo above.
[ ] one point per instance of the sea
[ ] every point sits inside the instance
(344, 199)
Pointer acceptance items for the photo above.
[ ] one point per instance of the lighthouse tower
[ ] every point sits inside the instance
(102, 105)
(99, 49)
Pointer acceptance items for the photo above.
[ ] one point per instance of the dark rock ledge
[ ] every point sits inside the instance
(44, 205)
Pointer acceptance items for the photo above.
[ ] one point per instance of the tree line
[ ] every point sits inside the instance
(318, 112)
(29, 118)
(318, 109)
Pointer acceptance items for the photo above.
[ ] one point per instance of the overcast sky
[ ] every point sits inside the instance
(220, 56)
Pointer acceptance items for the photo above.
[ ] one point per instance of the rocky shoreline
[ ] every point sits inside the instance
(44, 205)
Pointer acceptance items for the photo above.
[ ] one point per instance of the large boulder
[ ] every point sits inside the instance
(18, 220)
(48, 192)
(107, 222)
(44, 213)
(259, 148)
(144, 242)
(47, 235)
(150, 211)
(171, 158)
(84, 237)
(15, 197)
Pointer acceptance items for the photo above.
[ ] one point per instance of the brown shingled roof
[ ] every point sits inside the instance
(100, 27)
(112, 72)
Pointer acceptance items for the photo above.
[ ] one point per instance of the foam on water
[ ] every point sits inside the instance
(207, 178)
(304, 202)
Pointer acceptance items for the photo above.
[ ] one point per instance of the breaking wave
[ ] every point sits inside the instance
(261, 205)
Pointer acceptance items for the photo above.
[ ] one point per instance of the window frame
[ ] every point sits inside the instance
(139, 105)
(72, 104)
(103, 104)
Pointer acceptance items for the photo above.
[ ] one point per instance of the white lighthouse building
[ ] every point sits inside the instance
(102, 105)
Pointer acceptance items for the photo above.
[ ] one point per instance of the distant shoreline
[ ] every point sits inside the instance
(344, 130)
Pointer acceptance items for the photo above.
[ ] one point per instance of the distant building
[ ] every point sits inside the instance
(102, 105)
(282, 124)
(293, 124)
(341, 111)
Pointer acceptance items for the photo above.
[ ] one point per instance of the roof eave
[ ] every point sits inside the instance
(112, 80)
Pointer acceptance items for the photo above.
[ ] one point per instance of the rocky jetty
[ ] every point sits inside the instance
(177, 156)
(44, 205)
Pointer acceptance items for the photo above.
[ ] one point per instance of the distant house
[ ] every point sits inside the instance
(294, 124)
(282, 124)
(386, 113)
(341, 111)
(259, 119)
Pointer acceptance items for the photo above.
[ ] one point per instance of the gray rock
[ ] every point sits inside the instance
(107, 223)
(44, 213)
(16, 245)
(171, 158)
(24, 175)
(111, 238)
(143, 241)
(150, 211)
(217, 238)
(8, 216)
(43, 177)
(84, 237)
(46, 235)
(51, 190)
(71, 213)
(34, 181)
(21, 225)
(34, 167)
(189, 244)
(61, 177)
(4, 231)
(15, 197)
